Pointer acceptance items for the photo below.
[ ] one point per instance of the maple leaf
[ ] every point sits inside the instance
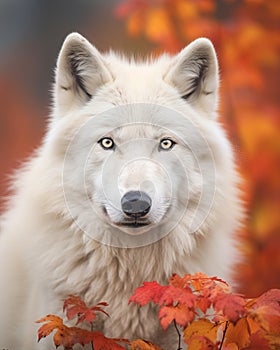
(100, 342)
(203, 286)
(202, 343)
(175, 303)
(267, 317)
(271, 298)
(69, 336)
(238, 334)
(74, 306)
(180, 282)
(173, 295)
(264, 311)
(150, 291)
(202, 303)
(65, 336)
(202, 327)
(180, 313)
(202, 282)
(229, 306)
(140, 344)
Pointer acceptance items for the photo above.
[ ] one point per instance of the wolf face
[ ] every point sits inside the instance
(137, 154)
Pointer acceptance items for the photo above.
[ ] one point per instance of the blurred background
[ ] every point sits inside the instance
(246, 34)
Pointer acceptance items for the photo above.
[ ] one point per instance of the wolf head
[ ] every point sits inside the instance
(141, 148)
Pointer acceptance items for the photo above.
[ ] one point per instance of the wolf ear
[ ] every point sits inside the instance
(80, 71)
(194, 73)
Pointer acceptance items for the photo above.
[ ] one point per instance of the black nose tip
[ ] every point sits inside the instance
(136, 204)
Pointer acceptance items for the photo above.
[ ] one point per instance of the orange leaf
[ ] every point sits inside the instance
(238, 333)
(46, 329)
(268, 318)
(180, 313)
(202, 327)
(253, 325)
(206, 285)
(69, 336)
(140, 344)
(202, 343)
(180, 282)
(65, 336)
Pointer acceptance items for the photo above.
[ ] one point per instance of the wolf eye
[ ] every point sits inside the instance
(166, 144)
(107, 143)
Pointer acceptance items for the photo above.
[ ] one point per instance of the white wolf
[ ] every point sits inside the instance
(135, 180)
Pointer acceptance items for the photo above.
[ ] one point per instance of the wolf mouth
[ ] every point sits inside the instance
(134, 224)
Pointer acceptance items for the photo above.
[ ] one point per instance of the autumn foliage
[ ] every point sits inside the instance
(69, 336)
(246, 36)
(202, 309)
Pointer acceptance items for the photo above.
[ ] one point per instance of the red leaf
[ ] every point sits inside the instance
(202, 303)
(173, 295)
(230, 306)
(150, 291)
(100, 342)
(271, 298)
(74, 306)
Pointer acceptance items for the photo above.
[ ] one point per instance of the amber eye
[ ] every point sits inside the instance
(166, 144)
(107, 143)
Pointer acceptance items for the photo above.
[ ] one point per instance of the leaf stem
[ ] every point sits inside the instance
(179, 335)
(224, 334)
(91, 328)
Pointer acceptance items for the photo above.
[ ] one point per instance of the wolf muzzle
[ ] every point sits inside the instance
(136, 204)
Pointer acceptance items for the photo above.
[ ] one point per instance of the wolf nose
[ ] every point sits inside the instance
(136, 204)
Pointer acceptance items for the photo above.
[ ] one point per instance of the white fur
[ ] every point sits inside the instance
(45, 254)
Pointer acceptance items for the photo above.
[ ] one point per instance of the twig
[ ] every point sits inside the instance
(224, 334)
(179, 335)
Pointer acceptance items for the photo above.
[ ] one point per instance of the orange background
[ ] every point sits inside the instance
(247, 39)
